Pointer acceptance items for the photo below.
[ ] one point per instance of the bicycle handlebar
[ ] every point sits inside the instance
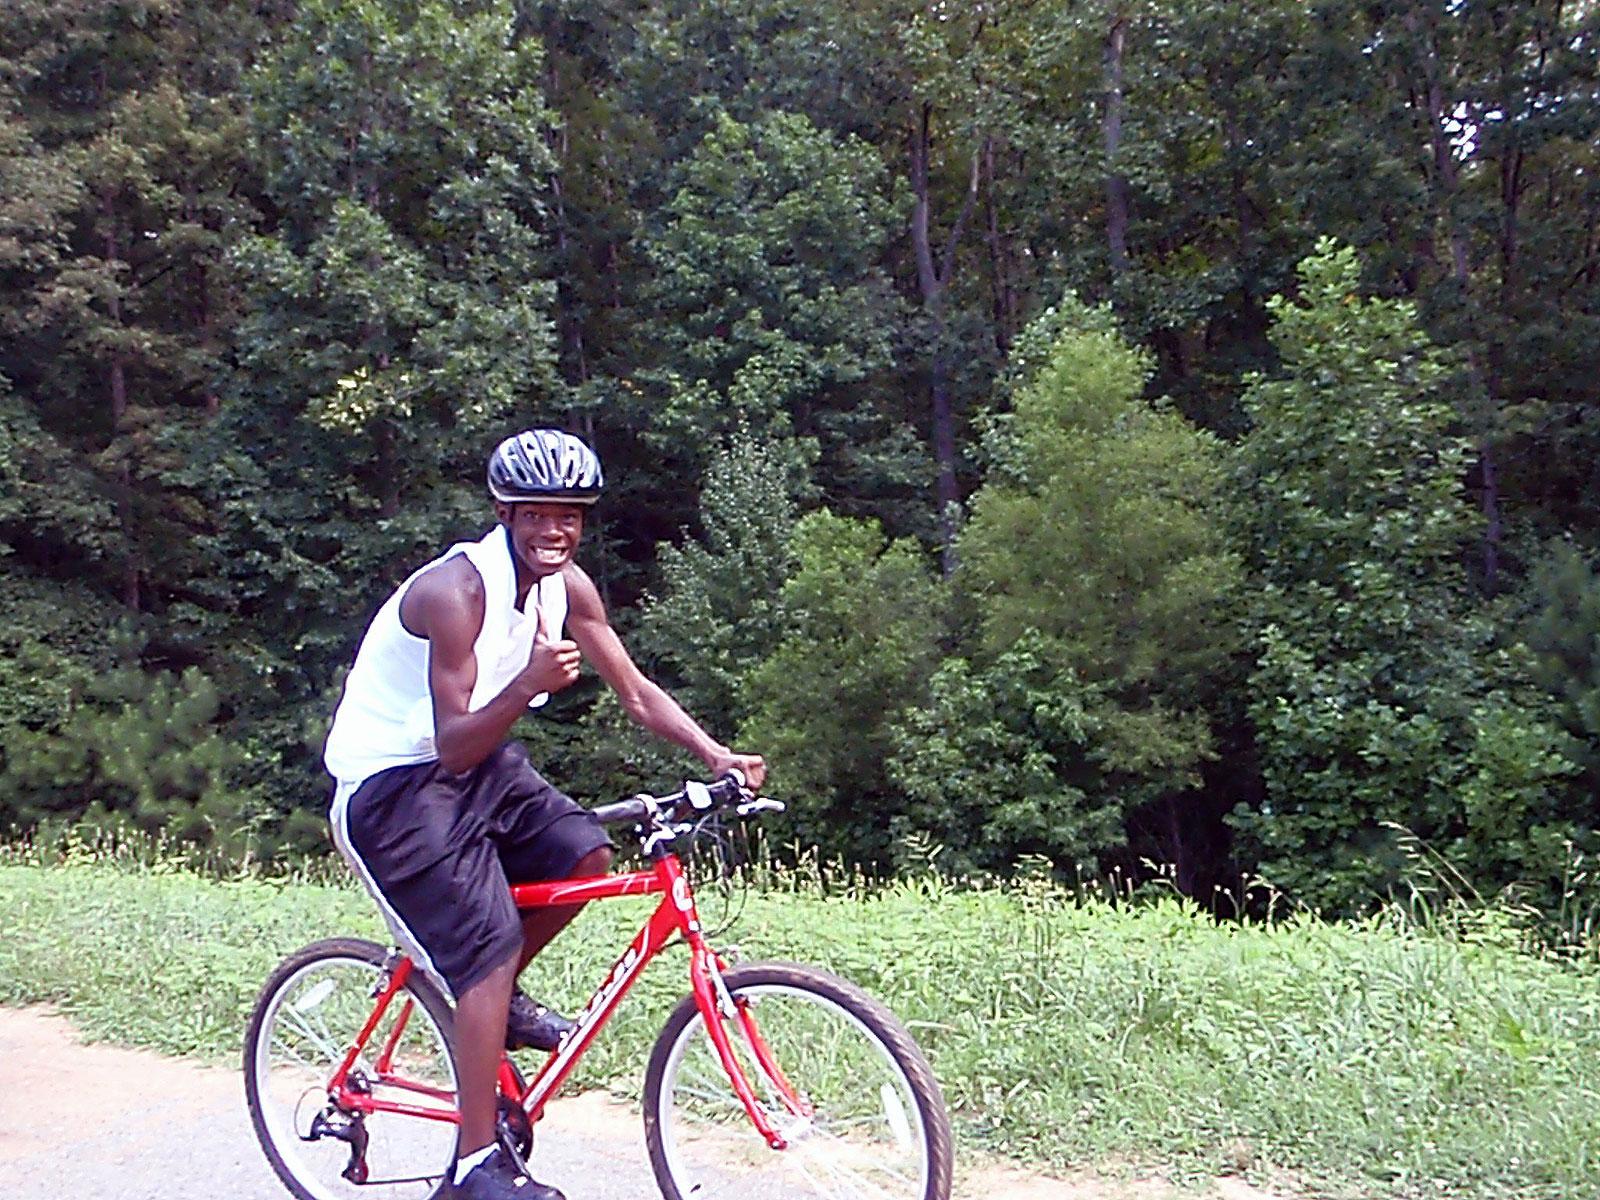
(622, 812)
(694, 797)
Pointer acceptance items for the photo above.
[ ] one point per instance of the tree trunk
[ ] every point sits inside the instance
(1003, 301)
(118, 383)
(1446, 187)
(933, 280)
(1116, 183)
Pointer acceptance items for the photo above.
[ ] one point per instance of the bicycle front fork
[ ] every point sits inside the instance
(720, 1009)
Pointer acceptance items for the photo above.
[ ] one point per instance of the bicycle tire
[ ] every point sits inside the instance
(837, 1044)
(334, 980)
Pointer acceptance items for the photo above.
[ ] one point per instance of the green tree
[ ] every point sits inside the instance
(132, 748)
(397, 324)
(124, 164)
(1563, 635)
(860, 617)
(405, 157)
(772, 307)
(1379, 695)
(1098, 575)
(998, 763)
(712, 620)
(907, 82)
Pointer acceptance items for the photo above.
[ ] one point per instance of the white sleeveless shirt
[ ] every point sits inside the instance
(385, 717)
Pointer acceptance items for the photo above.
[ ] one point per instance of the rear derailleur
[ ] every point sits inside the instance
(347, 1127)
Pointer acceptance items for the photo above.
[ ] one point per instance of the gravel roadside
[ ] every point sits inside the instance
(99, 1122)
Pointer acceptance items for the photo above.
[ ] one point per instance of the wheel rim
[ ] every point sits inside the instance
(864, 1138)
(308, 1024)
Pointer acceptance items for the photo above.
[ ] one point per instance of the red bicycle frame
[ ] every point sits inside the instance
(676, 913)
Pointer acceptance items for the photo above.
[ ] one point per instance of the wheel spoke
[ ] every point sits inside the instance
(872, 1129)
(862, 1187)
(295, 1049)
(291, 1052)
(318, 1038)
(722, 1097)
(814, 1148)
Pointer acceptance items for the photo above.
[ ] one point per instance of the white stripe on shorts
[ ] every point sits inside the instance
(339, 819)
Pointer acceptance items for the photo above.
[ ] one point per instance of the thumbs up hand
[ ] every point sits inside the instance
(552, 664)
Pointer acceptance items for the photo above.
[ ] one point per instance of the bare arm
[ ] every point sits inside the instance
(643, 699)
(445, 605)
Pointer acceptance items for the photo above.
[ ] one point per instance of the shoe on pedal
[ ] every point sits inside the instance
(532, 1026)
(497, 1178)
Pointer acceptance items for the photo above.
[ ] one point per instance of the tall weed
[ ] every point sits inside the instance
(1401, 1056)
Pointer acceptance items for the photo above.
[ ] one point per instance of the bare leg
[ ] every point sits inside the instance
(480, 1040)
(539, 925)
(480, 1036)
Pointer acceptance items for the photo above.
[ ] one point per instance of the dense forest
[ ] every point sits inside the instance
(1135, 434)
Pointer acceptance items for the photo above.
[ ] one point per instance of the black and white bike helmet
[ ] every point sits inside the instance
(545, 464)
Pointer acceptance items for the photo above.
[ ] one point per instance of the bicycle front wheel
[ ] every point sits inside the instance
(835, 1073)
(327, 1146)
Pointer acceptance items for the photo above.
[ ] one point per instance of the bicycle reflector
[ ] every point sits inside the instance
(699, 794)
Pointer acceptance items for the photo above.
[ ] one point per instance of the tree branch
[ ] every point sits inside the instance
(967, 207)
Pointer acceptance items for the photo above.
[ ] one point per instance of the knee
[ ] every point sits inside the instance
(510, 755)
(596, 862)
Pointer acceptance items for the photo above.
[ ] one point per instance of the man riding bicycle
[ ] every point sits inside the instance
(437, 812)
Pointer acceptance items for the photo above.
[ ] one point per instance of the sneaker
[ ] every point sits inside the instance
(497, 1178)
(530, 1025)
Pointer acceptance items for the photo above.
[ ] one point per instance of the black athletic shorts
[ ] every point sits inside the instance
(439, 851)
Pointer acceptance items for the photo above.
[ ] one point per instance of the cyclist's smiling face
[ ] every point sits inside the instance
(543, 536)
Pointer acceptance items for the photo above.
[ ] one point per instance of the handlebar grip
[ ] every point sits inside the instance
(730, 787)
(622, 812)
(724, 792)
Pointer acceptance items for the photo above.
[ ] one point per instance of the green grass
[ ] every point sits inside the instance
(1371, 1060)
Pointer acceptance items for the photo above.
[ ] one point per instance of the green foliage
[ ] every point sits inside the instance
(130, 748)
(998, 765)
(1100, 524)
(860, 617)
(276, 276)
(717, 613)
(405, 270)
(45, 491)
(1097, 570)
(1563, 634)
(1378, 696)
(716, 616)
(55, 637)
(767, 252)
(772, 307)
(121, 161)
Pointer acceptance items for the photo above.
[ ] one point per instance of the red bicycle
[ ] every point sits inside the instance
(768, 1080)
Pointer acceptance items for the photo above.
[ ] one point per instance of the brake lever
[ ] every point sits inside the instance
(760, 804)
(698, 794)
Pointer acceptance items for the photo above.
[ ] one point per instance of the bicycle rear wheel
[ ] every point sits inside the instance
(310, 1012)
(837, 1075)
